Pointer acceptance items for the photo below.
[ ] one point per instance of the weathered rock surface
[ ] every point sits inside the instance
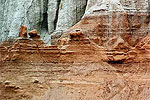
(105, 56)
(44, 15)
(34, 34)
(64, 16)
(70, 12)
(23, 32)
(20, 12)
(117, 25)
(31, 70)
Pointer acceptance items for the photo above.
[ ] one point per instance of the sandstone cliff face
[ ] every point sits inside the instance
(117, 25)
(44, 15)
(106, 56)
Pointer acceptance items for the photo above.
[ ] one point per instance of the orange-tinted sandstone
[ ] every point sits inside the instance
(103, 57)
(34, 34)
(23, 32)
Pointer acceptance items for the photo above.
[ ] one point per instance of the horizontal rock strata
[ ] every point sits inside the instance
(103, 57)
(118, 26)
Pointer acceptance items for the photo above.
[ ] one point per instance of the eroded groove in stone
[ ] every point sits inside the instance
(45, 15)
(57, 13)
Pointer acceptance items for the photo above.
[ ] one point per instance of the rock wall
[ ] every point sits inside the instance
(106, 56)
(56, 16)
(70, 11)
(18, 12)
(131, 6)
(120, 26)
(44, 15)
(30, 70)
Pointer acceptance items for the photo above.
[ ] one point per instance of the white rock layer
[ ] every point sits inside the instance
(44, 15)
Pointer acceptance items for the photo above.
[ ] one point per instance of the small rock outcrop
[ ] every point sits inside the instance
(76, 35)
(34, 34)
(23, 32)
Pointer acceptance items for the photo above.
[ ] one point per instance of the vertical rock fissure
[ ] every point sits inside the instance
(45, 15)
(57, 13)
(148, 6)
(85, 7)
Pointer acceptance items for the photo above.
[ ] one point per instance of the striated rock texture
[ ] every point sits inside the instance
(109, 17)
(105, 56)
(117, 25)
(44, 15)
(76, 70)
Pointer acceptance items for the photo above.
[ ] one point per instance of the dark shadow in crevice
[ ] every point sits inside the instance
(116, 62)
(45, 15)
(57, 14)
(45, 21)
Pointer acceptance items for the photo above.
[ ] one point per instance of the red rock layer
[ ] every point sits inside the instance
(119, 33)
(77, 65)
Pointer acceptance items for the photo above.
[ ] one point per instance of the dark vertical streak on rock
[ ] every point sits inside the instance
(148, 11)
(148, 7)
(57, 13)
(84, 8)
(86, 5)
(80, 10)
(45, 15)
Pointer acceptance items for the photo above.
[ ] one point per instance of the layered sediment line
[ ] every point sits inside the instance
(105, 56)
